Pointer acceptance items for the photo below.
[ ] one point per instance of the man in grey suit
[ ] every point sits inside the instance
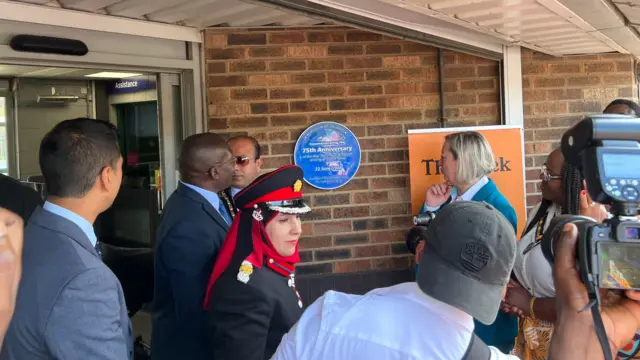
(194, 223)
(70, 305)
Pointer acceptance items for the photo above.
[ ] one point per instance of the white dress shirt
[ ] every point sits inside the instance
(394, 323)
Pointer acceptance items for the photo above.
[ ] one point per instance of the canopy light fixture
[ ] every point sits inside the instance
(112, 75)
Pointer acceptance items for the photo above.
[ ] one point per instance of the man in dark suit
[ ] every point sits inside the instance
(70, 305)
(193, 226)
(18, 198)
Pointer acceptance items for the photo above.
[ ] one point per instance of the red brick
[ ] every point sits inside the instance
(385, 75)
(404, 88)
(371, 170)
(270, 108)
(460, 99)
(325, 36)
(570, 68)
(390, 209)
(249, 94)
(356, 36)
(248, 122)
(326, 91)
(622, 79)
(401, 143)
(399, 195)
(345, 77)
(600, 67)
(391, 263)
(225, 109)
(423, 73)
(330, 200)
(274, 162)
(315, 269)
(283, 148)
(549, 134)
(356, 184)
(534, 69)
(386, 156)
(389, 182)
(478, 84)
(371, 251)
(309, 78)
(377, 103)
(268, 80)
(344, 50)
(288, 120)
(266, 52)
(565, 94)
(352, 266)
(383, 49)
(308, 106)
(306, 51)
(225, 54)
(371, 197)
(278, 135)
(550, 82)
(286, 93)
(247, 39)
(393, 236)
(486, 71)
(332, 227)
(489, 98)
(383, 130)
(371, 144)
(412, 47)
(402, 222)
(459, 72)
(480, 110)
(216, 94)
(332, 254)
(227, 81)
(365, 117)
(624, 65)
(350, 104)
(248, 66)
(293, 65)
(213, 39)
(216, 67)
(401, 61)
(363, 62)
(326, 64)
(585, 106)
(286, 38)
(350, 212)
(364, 90)
(335, 117)
(370, 224)
(318, 214)
(398, 169)
(216, 123)
(584, 80)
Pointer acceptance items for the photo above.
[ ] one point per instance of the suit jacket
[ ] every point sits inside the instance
(189, 237)
(248, 321)
(70, 305)
(18, 198)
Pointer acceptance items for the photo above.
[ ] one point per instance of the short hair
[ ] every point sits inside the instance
(630, 104)
(254, 142)
(74, 153)
(473, 153)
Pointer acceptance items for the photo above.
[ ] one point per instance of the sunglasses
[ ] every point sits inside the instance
(546, 176)
(242, 160)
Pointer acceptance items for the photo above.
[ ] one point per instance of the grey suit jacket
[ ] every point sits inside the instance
(70, 305)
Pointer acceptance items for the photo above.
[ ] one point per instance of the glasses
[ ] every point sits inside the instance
(242, 160)
(546, 176)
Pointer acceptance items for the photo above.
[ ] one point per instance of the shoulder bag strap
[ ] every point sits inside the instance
(477, 350)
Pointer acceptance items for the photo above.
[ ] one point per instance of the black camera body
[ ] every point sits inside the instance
(418, 232)
(606, 149)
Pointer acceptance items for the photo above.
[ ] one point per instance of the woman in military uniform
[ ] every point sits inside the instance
(251, 296)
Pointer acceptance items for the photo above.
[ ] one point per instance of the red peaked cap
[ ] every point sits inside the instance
(279, 185)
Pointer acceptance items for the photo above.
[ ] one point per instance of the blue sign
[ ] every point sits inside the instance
(130, 85)
(329, 154)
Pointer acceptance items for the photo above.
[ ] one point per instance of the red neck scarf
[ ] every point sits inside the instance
(262, 247)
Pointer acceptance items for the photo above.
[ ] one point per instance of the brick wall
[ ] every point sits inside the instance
(274, 83)
(558, 92)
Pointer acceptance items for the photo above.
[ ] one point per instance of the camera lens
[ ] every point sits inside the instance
(423, 219)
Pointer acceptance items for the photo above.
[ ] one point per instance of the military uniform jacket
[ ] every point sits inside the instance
(248, 320)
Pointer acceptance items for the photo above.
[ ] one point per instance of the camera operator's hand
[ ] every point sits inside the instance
(574, 336)
(11, 229)
(438, 194)
(419, 250)
(590, 208)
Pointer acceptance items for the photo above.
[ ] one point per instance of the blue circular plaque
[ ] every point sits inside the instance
(329, 154)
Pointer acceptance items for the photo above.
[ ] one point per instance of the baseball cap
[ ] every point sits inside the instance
(468, 257)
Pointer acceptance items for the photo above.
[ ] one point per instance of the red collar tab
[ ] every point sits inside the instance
(281, 268)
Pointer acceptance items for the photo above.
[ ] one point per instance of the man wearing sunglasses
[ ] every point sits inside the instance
(194, 223)
(246, 150)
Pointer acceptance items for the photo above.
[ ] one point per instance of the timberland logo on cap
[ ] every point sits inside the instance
(297, 186)
(474, 256)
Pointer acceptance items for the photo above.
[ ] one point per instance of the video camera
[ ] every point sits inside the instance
(606, 149)
(419, 230)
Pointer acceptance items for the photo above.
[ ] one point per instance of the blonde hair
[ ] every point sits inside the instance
(473, 153)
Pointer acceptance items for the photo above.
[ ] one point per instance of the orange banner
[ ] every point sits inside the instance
(507, 144)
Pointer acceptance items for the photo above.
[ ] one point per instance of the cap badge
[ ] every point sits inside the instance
(297, 186)
(246, 269)
(257, 213)
(474, 256)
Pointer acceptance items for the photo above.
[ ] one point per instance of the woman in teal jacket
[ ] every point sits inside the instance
(466, 161)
